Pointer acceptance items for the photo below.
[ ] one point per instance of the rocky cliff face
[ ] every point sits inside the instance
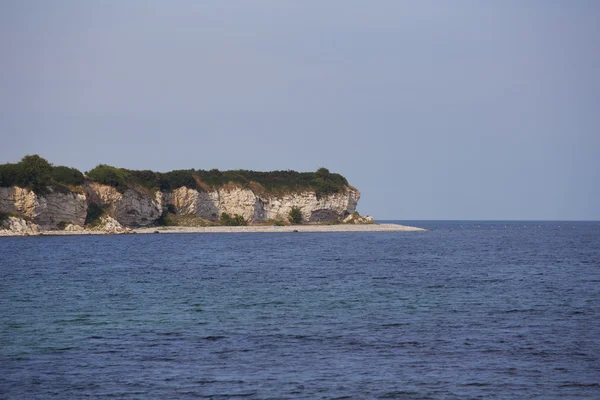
(257, 208)
(136, 208)
(53, 210)
(131, 208)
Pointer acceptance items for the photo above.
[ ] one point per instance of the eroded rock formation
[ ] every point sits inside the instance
(262, 207)
(132, 208)
(53, 210)
(138, 207)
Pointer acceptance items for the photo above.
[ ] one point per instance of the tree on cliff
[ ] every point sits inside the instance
(36, 173)
(35, 170)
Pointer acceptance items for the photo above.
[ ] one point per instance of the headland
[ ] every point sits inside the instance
(37, 197)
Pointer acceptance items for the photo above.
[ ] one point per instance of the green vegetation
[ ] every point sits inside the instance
(165, 219)
(170, 219)
(236, 220)
(36, 173)
(107, 175)
(322, 182)
(295, 215)
(67, 176)
(94, 213)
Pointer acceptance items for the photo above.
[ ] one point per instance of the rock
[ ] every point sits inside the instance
(50, 211)
(57, 209)
(131, 208)
(15, 225)
(17, 200)
(74, 228)
(62, 208)
(108, 224)
(137, 209)
(358, 219)
(262, 207)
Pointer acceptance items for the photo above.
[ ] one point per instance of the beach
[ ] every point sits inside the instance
(232, 229)
(290, 228)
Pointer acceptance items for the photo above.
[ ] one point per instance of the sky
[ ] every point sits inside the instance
(485, 110)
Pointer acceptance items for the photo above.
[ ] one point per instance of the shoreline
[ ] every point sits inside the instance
(233, 229)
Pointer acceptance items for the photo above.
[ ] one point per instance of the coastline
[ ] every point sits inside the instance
(235, 229)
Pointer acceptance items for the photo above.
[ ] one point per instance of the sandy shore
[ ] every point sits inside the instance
(240, 229)
(293, 228)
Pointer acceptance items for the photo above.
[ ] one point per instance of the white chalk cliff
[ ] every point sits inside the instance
(52, 210)
(137, 207)
(262, 207)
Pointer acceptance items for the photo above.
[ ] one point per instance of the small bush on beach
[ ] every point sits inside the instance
(165, 219)
(295, 215)
(236, 220)
(94, 213)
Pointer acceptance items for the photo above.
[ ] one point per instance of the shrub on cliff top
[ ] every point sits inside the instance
(176, 179)
(36, 173)
(107, 175)
(67, 176)
(121, 178)
(322, 182)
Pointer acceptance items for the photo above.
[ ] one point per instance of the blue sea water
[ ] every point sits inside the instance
(468, 310)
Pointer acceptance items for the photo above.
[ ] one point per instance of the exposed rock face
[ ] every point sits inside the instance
(59, 209)
(110, 225)
(17, 200)
(314, 209)
(131, 208)
(136, 209)
(56, 210)
(358, 219)
(191, 202)
(53, 210)
(74, 228)
(20, 226)
(258, 208)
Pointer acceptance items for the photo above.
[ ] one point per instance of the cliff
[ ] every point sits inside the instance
(113, 200)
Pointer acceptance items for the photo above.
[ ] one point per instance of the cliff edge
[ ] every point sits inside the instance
(37, 196)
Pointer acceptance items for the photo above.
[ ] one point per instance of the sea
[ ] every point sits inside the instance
(466, 310)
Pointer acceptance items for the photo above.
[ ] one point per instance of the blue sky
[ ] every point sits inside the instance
(433, 109)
